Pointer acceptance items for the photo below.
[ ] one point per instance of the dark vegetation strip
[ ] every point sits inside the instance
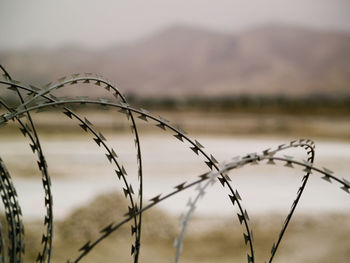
(315, 104)
(310, 105)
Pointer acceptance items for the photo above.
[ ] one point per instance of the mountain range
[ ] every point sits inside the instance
(184, 61)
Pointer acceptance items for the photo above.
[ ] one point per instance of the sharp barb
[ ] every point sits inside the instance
(161, 125)
(179, 137)
(326, 178)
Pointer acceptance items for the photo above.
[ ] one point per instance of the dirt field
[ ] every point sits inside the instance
(310, 239)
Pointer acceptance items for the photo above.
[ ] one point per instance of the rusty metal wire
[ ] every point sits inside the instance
(43, 99)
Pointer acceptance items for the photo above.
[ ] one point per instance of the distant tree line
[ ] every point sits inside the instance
(313, 104)
(316, 104)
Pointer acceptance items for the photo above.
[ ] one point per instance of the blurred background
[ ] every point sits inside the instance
(239, 76)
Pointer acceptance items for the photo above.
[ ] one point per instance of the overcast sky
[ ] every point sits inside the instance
(102, 23)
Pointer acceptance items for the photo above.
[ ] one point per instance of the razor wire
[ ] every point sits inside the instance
(86, 125)
(184, 219)
(124, 108)
(42, 99)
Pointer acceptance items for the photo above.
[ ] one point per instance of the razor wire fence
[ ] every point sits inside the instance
(32, 99)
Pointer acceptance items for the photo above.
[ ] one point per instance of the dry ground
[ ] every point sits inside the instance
(309, 239)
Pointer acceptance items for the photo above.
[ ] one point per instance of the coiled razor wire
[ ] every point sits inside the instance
(41, 99)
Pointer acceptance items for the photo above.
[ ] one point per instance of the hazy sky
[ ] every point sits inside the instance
(105, 22)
